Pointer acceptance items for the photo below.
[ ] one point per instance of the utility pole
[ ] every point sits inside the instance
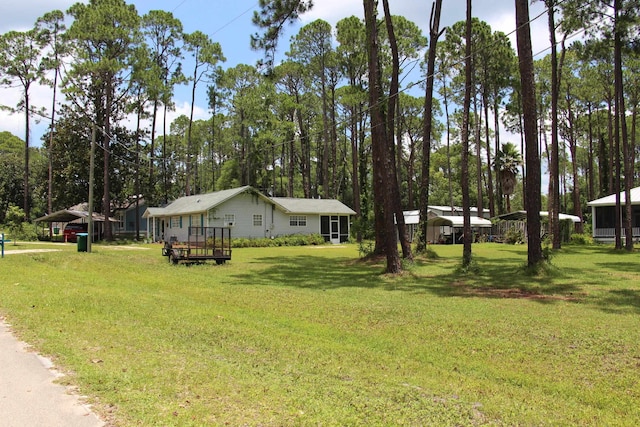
(90, 222)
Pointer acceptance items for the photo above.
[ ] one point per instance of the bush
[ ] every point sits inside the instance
(514, 236)
(291, 240)
(581, 239)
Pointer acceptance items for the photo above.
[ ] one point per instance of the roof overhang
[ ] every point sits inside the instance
(458, 221)
(67, 215)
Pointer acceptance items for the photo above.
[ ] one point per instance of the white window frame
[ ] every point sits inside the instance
(257, 220)
(298, 221)
(175, 222)
(229, 220)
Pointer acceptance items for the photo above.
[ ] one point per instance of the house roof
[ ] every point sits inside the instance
(204, 202)
(312, 206)
(610, 200)
(522, 215)
(197, 203)
(458, 221)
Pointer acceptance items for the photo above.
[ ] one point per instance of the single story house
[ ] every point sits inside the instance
(250, 214)
(603, 214)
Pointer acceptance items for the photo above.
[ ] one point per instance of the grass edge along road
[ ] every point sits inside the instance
(313, 335)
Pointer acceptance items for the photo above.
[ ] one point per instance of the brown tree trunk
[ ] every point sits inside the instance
(391, 118)
(532, 197)
(434, 33)
(466, 229)
(380, 154)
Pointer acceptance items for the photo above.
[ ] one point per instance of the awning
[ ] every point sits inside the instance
(458, 221)
(522, 216)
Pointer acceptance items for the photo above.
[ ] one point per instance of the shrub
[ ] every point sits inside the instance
(290, 240)
(514, 236)
(581, 239)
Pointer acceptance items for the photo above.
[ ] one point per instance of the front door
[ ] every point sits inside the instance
(335, 230)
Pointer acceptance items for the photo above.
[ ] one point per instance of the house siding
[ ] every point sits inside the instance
(282, 226)
(242, 207)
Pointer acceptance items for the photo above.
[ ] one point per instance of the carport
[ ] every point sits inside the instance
(65, 216)
(456, 222)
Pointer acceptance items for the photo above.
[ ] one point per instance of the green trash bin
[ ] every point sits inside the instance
(82, 241)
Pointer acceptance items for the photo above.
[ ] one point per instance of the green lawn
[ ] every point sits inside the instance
(314, 336)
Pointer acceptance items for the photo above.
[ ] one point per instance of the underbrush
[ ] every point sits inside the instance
(291, 240)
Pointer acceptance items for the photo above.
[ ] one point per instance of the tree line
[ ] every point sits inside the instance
(343, 115)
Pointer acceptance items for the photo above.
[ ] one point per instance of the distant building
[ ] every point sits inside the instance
(603, 214)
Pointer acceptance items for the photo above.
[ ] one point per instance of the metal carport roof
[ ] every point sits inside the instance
(458, 221)
(68, 215)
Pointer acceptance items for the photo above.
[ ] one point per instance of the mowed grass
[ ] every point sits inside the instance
(315, 336)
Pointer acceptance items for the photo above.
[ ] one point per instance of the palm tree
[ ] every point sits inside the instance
(507, 161)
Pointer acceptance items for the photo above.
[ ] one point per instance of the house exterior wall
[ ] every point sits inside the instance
(127, 224)
(237, 213)
(251, 216)
(283, 224)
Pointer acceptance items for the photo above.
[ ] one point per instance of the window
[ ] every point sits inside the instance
(298, 221)
(229, 220)
(257, 220)
(175, 222)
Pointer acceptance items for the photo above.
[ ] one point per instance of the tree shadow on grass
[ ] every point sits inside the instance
(494, 279)
(311, 272)
(621, 301)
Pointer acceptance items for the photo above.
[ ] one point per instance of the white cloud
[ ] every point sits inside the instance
(21, 15)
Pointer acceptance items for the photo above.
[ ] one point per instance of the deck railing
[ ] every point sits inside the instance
(611, 232)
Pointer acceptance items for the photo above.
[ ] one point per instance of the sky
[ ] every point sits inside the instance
(229, 23)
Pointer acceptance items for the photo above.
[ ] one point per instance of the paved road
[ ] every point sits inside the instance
(28, 395)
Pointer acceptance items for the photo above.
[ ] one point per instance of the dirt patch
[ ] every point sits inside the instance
(29, 251)
(515, 293)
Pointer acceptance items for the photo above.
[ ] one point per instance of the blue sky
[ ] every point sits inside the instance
(229, 23)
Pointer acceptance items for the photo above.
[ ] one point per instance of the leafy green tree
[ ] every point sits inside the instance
(11, 169)
(507, 161)
(52, 27)
(104, 34)
(312, 47)
(350, 34)
(248, 98)
(21, 64)
(163, 34)
(272, 17)
(206, 55)
(14, 218)
(292, 83)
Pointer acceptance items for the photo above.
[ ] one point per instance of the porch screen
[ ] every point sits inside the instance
(325, 229)
(344, 229)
